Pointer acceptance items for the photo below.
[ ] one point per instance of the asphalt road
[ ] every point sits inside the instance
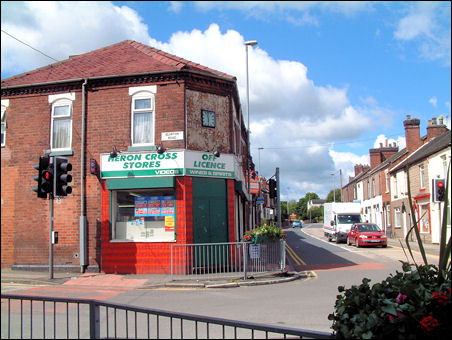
(303, 303)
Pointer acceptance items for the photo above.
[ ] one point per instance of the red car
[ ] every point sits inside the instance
(366, 234)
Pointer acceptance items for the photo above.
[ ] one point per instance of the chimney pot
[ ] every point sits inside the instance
(408, 117)
(441, 119)
(434, 121)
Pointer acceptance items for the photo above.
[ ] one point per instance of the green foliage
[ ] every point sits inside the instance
(408, 305)
(334, 196)
(415, 304)
(263, 234)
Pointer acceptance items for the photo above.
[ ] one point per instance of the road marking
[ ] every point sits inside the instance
(294, 256)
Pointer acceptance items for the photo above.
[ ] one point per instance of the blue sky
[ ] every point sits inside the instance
(328, 80)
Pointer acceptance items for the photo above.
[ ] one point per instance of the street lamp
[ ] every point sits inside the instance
(334, 188)
(249, 43)
(259, 153)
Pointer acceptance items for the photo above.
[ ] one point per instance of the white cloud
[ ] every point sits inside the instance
(428, 25)
(60, 29)
(295, 120)
(433, 101)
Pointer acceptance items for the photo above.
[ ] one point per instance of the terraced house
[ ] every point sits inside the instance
(159, 151)
(383, 187)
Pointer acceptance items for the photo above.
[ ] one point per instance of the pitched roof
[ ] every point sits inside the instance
(436, 144)
(124, 58)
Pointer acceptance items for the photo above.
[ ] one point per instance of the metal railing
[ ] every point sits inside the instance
(228, 259)
(33, 317)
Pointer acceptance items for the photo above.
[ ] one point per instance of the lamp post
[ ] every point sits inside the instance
(249, 43)
(334, 188)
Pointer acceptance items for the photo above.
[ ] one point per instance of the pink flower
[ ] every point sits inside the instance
(401, 298)
(399, 315)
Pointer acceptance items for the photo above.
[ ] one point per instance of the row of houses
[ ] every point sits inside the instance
(384, 186)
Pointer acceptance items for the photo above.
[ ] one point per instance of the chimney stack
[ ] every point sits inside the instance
(434, 129)
(412, 133)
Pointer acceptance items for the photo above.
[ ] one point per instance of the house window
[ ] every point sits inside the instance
(5, 104)
(387, 180)
(422, 176)
(141, 215)
(143, 115)
(61, 136)
(398, 218)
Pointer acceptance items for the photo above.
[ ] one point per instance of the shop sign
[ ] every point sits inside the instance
(178, 163)
(205, 164)
(147, 164)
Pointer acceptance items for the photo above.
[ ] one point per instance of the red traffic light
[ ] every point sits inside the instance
(440, 184)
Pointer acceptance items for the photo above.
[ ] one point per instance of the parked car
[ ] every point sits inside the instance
(366, 234)
(297, 224)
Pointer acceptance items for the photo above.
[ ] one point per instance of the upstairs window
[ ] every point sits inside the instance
(143, 115)
(61, 129)
(5, 104)
(422, 177)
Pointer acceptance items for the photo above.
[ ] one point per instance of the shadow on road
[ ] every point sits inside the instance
(315, 257)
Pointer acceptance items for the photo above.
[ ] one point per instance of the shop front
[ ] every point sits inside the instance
(151, 201)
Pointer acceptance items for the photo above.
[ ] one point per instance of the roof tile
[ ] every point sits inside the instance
(126, 57)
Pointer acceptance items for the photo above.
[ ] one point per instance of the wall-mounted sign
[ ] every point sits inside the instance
(147, 164)
(178, 163)
(207, 165)
(177, 135)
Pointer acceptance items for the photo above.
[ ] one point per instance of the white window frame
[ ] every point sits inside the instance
(422, 181)
(4, 104)
(397, 218)
(65, 99)
(142, 92)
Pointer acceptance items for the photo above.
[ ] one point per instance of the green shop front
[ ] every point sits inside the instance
(151, 201)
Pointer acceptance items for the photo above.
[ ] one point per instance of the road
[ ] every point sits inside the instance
(303, 303)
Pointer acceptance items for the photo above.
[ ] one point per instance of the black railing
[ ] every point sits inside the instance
(46, 317)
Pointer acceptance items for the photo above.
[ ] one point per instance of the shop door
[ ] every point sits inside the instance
(210, 221)
(209, 211)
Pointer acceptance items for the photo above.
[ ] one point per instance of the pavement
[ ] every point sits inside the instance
(153, 281)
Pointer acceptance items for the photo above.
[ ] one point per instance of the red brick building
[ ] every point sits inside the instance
(178, 176)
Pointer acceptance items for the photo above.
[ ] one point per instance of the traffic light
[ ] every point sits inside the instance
(62, 178)
(44, 177)
(272, 187)
(440, 190)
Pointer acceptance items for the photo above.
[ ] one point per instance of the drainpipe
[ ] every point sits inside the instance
(82, 233)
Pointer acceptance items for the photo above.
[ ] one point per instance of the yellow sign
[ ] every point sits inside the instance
(169, 221)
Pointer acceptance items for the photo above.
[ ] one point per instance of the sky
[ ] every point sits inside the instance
(327, 80)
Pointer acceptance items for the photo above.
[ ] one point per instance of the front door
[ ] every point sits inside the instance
(210, 222)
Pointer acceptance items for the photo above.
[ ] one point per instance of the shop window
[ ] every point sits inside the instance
(61, 135)
(140, 215)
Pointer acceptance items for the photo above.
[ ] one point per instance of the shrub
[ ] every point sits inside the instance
(263, 234)
(409, 305)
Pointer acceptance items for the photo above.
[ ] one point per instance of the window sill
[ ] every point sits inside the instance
(62, 153)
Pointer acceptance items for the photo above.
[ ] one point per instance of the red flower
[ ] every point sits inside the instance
(441, 298)
(429, 323)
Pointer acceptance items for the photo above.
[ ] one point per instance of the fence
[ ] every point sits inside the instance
(33, 317)
(219, 260)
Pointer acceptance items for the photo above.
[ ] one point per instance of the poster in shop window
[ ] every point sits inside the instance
(154, 206)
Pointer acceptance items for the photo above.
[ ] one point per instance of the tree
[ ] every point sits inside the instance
(334, 196)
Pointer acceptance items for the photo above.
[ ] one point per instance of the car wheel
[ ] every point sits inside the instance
(357, 243)
(348, 241)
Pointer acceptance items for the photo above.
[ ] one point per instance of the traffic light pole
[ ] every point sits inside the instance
(278, 197)
(52, 161)
(51, 238)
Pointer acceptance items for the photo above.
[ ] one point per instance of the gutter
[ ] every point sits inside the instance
(82, 227)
